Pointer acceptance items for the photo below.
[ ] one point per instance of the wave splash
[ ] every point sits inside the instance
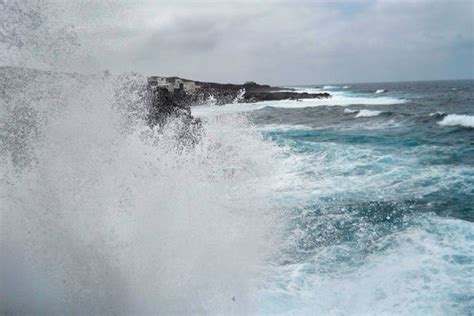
(367, 113)
(458, 120)
(100, 214)
(106, 215)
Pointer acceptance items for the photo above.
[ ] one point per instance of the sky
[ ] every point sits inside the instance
(276, 42)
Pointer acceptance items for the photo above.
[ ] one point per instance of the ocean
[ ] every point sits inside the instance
(361, 204)
(380, 205)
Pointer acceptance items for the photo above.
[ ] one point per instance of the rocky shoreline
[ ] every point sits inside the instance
(175, 96)
(197, 92)
(163, 97)
(260, 96)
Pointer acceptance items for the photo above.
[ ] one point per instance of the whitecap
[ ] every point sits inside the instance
(380, 91)
(349, 111)
(367, 113)
(458, 120)
(283, 127)
(336, 99)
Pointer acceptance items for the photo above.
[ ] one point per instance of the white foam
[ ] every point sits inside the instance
(240, 96)
(117, 218)
(330, 87)
(211, 100)
(284, 127)
(336, 99)
(367, 113)
(380, 91)
(213, 110)
(349, 111)
(458, 120)
(413, 272)
(438, 113)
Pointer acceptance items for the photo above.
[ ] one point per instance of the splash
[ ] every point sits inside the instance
(103, 215)
(367, 113)
(458, 120)
(239, 97)
(100, 214)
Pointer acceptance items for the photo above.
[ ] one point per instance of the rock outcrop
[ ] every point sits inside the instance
(257, 96)
(185, 91)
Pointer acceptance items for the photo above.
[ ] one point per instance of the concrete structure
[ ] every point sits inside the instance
(190, 86)
(173, 84)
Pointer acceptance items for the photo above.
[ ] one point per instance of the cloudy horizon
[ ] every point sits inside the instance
(277, 42)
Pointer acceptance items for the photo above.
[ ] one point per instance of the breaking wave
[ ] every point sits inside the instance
(458, 120)
(367, 113)
(349, 111)
(102, 215)
(362, 113)
(438, 113)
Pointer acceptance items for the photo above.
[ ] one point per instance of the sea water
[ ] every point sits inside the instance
(381, 207)
(357, 204)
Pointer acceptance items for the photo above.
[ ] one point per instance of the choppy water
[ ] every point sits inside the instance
(282, 207)
(381, 205)
(361, 204)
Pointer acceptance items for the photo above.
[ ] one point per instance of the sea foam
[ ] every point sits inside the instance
(101, 214)
(349, 111)
(458, 120)
(367, 113)
(107, 216)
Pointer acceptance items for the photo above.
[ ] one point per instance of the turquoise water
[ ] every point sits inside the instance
(361, 204)
(383, 220)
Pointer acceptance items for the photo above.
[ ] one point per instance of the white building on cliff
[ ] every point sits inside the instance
(173, 84)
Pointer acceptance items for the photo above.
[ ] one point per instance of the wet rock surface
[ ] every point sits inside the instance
(225, 93)
(257, 96)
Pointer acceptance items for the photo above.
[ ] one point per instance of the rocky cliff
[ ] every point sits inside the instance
(220, 93)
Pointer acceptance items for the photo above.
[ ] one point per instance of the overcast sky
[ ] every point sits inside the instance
(278, 42)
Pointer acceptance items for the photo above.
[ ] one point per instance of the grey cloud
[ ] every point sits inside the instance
(283, 42)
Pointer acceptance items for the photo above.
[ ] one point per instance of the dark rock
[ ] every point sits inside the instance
(163, 105)
(252, 96)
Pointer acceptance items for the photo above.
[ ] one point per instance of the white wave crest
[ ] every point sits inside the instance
(367, 113)
(380, 91)
(458, 120)
(330, 87)
(284, 127)
(349, 111)
(337, 99)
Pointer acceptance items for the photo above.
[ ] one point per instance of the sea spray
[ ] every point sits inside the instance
(107, 219)
(102, 214)
(458, 120)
